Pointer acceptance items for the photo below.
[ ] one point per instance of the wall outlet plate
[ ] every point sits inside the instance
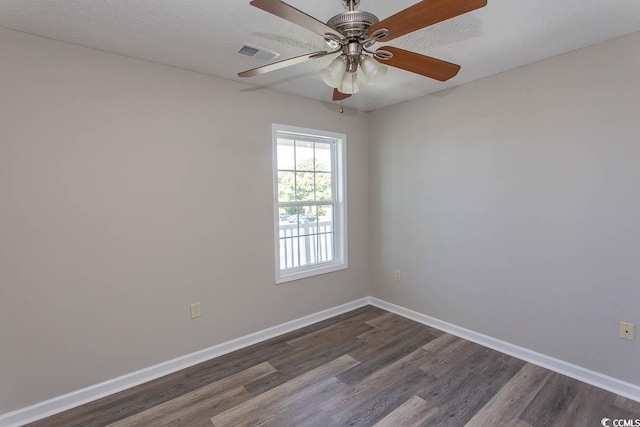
(195, 310)
(397, 276)
(627, 331)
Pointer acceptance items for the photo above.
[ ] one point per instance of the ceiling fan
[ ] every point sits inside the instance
(353, 33)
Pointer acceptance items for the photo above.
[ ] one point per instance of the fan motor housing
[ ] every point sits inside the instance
(353, 23)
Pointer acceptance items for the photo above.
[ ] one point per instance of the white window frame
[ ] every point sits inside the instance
(339, 182)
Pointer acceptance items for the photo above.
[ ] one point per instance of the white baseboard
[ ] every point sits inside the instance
(71, 400)
(614, 385)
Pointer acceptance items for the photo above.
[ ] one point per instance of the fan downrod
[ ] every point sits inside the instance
(350, 4)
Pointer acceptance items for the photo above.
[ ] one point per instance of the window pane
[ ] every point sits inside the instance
(308, 246)
(309, 214)
(326, 248)
(323, 186)
(308, 220)
(288, 225)
(325, 219)
(323, 157)
(304, 156)
(285, 154)
(286, 187)
(305, 187)
(283, 215)
(289, 253)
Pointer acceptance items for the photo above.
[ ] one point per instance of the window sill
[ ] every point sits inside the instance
(284, 277)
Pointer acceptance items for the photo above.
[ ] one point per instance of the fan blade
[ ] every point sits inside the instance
(291, 14)
(281, 64)
(420, 64)
(423, 14)
(339, 96)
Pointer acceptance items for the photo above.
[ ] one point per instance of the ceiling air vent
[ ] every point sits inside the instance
(258, 53)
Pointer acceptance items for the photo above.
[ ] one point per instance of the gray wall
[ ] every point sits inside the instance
(129, 190)
(511, 205)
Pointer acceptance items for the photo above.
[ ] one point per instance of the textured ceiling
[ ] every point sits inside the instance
(204, 36)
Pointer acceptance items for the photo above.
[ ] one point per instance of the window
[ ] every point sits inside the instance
(310, 202)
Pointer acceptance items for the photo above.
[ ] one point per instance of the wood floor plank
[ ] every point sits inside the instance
(379, 336)
(347, 329)
(443, 341)
(377, 321)
(199, 414)
(298, 362)
(551, 402)
(209, 396)
(405, 343)
(367, 413)
(448, 358)
(366, 313)
(627, 404)
(202, 417)
(517, 423)
(300, 407)
(589, 404)
(460, 395)
(258, 404)
(317, 417)
(377, 382)
(370, 351)
(442, 390)
(411, 413)
(300, 355)
(337, 339)
(513, 398)
(386, 330)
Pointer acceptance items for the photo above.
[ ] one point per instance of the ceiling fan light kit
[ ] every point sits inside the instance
(373, 71)
(349, 84)
(352, 33)
(332, 75)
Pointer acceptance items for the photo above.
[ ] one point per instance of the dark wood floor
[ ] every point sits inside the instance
(363, 368)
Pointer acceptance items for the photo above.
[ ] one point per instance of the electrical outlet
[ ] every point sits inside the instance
(627, 331)
(195, 310)
(397, 275)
